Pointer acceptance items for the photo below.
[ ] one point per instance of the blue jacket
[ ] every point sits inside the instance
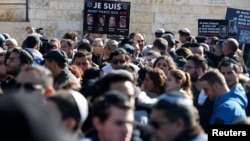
(230, 106)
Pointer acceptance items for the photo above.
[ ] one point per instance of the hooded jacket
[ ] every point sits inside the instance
(230, 106)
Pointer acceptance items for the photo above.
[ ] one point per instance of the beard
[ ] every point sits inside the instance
(194, 77)
(13, 71)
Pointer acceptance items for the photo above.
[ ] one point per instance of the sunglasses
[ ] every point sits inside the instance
(156, 124)
(118, 61)
(29, 86)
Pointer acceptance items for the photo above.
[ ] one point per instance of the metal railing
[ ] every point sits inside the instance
(26, 4)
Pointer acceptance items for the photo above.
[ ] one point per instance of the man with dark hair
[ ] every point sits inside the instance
(196, 66)
(28, 118)
(56, 62)
(72, 35)
(161, 45)
(174, 118)
(184, 34)
(33, 44)
(35, 79)
(122, 81)
(229, 105)
(68, 46)
(119, 57)
(73, 107)
(83, 59)
(113, 117)
(16, 60)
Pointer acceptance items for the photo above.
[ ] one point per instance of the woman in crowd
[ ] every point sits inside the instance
(154, 82)
(178, 80)
(164, 63)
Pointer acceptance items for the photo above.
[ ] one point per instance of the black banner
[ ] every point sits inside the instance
(239, 24)
(107, 17)
(209, 28)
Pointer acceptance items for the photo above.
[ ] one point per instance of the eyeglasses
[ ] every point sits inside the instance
(11, 59)
(150, 61)
(118, 61)
(188, 67)
(28, 86)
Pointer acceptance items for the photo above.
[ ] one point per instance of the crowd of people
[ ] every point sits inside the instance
(106, 89)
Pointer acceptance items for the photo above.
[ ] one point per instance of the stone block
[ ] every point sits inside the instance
(171, 9)
(41, 14)
(140, 17)
(162, 18)
(72, 15)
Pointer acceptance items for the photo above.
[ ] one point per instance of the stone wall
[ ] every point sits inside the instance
(60, 16)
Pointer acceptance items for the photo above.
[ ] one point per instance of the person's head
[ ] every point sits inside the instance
(165, 63)
(218, 48)
(17, 60)
(213, 83)
(211, 41)
(28, 118)
(151, 56)
(83, 60)
(72, 35)
(101, 19)
(160, 45)
(113, 116)
(11, 43)
(184, 33)
(30, 30)
(90, 19)
(231, 24)
(177, 80)
(84, 44)
(184, 52)
(33, 41)
(118, 58)
(112, 21)
(196, 48)
(35, 79)
(195, 66)
(230, 70)
(154, 81)
(171, 116)
(98, 46)
(56, 42)
(123, 21)
(73, 108)
(55, 60)
(110, 46)
(68, 46)
(170, 39)
(140, 39)
(120, 80)
(159, 32)
(230, 46)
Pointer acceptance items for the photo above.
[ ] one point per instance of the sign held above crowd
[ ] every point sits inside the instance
(106, 17)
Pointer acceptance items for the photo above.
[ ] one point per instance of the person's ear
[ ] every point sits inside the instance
(180, 125)
(49, 91)
(69, 123)
(97, 123)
